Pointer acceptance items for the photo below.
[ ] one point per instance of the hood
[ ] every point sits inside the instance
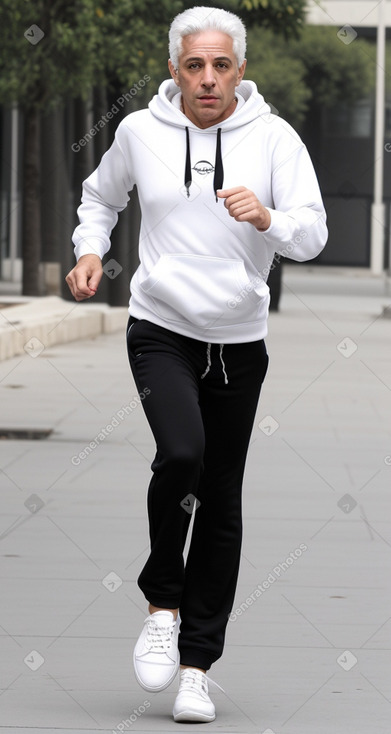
(165, 105)
(164, 108)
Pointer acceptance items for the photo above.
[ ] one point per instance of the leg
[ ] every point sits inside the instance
(212, 567)
(161, 362)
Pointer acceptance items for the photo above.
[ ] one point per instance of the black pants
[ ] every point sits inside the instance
(200, 405)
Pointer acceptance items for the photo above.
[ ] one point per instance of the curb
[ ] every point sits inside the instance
(43, 322)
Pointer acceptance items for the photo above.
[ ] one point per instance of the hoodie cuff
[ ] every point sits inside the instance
(278, 229)
(271, 212)
(262, 231)
(90, 246)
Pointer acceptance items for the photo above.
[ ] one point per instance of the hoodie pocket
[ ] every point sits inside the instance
(206, 291)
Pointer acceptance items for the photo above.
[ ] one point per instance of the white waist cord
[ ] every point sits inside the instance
(222, 364)
(208, 348)
(209, 362)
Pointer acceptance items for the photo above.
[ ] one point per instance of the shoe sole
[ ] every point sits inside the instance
(154, 689)
(194, 716)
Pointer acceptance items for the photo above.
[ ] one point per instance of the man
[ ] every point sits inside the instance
(223, 185)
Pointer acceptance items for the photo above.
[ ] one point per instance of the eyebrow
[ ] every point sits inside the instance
(216, 58)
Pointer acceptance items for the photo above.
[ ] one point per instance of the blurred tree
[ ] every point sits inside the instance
(278, 74)
(131, 34)
(316, 71)
(335, 73)
(46, 54)
(285, 17)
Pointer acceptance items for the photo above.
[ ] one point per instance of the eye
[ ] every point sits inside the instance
(222, 65)
(194, 65)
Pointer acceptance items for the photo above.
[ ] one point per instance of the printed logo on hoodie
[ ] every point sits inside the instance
(203, 167)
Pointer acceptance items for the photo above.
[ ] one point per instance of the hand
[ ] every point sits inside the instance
(84, 278)
(244, 206)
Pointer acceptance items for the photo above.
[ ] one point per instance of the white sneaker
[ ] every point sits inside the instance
(156, 655)
(192, 702)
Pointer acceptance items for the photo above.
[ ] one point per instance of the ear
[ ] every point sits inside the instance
(241, 71)
(173, 72)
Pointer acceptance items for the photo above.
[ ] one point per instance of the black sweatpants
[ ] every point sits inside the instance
(200, 405)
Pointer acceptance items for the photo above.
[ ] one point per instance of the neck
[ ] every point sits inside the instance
(228, 112)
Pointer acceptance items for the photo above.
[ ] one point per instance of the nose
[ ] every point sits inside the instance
(208, 78)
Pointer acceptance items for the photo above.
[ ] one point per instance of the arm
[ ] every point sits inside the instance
(296, 226)
(105, 194)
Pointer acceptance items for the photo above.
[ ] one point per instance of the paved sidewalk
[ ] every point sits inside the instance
(308, 644)
(33, 324)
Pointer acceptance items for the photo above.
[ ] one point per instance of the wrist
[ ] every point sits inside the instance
(90, 257)
(264, 221)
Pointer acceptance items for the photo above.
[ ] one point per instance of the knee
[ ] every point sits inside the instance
(182, 459)
(188, 457)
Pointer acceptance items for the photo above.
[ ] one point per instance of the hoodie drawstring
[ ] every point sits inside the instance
(209, 362)
(187, 164)
(219, 170)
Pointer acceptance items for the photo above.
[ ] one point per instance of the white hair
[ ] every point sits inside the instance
(201, 18)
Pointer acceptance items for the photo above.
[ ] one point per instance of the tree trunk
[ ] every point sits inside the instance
(101, 140)
(67, 258)
(53, 198)
(31, 205)
(83, 159)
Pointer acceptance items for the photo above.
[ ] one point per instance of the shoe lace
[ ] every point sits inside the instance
(196, 680)
(159, 637)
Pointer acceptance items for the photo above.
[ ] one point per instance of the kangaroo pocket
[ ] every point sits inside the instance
(206, 291)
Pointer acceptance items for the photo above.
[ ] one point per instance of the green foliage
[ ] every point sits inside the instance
(132, 34)
(317, 69)
(334, 72)
(278, 74)
(285, 17)
(60, 64)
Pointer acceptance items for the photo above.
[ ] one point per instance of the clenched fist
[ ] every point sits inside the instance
(244, 206)
(84, 278)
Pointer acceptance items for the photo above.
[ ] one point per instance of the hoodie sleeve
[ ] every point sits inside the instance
(298, 219)
(105, 194)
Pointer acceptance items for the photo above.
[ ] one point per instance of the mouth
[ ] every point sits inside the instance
(208, 98)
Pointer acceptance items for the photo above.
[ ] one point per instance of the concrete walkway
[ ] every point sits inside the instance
(308, 644)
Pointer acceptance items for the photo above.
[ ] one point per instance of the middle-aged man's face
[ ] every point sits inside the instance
(207, 76)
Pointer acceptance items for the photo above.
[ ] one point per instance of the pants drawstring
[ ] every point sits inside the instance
(208, 348)
(223, 365)
(209, 362)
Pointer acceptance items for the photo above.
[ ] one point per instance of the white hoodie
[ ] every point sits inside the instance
(201, 273)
